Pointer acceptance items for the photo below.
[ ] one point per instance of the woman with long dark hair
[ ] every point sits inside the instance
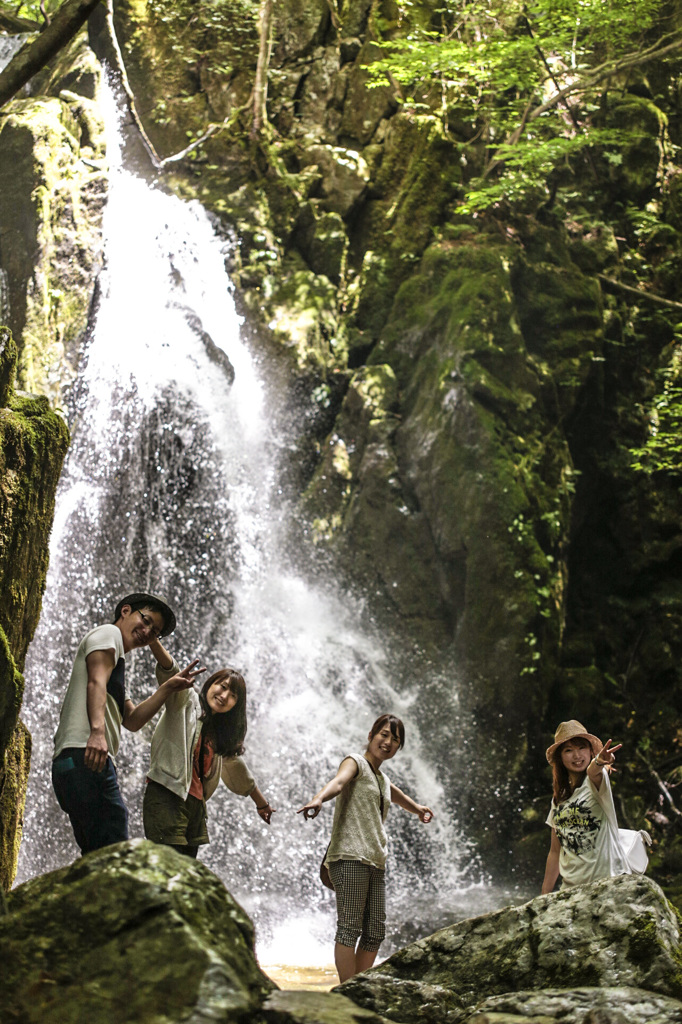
(198, 741)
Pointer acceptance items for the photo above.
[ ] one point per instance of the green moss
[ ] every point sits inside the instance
(304, 317)
(13, 782)
(50, 224)
(33, 442)
(147, 910)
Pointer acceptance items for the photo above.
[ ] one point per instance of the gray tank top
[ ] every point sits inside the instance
(358, 829)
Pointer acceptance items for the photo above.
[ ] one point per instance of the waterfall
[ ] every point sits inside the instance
(172, 484)
(9, 45)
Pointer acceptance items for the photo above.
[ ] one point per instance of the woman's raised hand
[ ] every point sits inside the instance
(607, 755)
(185, 678)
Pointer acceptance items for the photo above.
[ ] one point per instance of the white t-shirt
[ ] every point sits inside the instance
(590, 847)
(74, 725)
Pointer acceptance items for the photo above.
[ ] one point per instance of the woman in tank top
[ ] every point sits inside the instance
(356, 855)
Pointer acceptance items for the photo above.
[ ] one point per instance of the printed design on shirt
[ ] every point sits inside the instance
(116, 686)
(576, 827)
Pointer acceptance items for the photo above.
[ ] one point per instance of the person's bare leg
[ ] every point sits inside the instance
(344, 958)
(364, 960)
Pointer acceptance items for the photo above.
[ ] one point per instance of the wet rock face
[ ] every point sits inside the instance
(131, 933)
(53, 186)
(33, 443)
(616, 932)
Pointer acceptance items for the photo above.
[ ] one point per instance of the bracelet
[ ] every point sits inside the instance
(263, 808)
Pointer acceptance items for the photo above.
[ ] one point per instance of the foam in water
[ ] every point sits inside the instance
(171, 484)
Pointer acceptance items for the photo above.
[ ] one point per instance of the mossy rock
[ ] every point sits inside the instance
(615, 932)
(305, 318)
(635, 177)
(13, 782)
(364, 109)
(299, 27)
(315, 1008)
(8, 364)
(470, 390)
(357, 504)
(50, 232)
(322, 240)
(136, 913)
(34, 442)
(609, 1005)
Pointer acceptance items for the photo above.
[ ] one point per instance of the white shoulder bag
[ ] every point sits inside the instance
(633, 843)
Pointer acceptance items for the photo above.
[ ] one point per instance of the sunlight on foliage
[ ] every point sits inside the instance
(661, 452)
(526, 77)
(222, 32)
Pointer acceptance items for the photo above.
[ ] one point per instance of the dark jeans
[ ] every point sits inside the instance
(92, 800)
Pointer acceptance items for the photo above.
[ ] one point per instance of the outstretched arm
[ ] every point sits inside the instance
(135, 717)
(347, 771)
(262, 805)
(408, 804)
(552, 866)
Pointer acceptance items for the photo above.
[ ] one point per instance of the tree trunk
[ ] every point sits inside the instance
(70, 17)
(260, 86)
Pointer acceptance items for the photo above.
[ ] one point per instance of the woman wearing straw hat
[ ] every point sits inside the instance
(585, 845)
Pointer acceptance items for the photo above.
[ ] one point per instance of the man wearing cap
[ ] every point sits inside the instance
(94, 709)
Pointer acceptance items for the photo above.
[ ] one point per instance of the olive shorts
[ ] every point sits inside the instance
(170, 820)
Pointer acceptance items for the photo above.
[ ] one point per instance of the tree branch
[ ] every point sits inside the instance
(17, 26)
(629, 290)
(665, 792)
(631, 60)
(68, 20)
(109, 52)
(599, 74)
(260, 86)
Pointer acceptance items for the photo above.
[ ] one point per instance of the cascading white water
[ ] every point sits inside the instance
(171, 484)
(9, 45)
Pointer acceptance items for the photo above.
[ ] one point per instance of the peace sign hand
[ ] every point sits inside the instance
(606, 755)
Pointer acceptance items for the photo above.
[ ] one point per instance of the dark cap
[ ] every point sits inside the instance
(153, 601)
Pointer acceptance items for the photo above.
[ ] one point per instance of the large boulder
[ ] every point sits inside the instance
(615, 932)
(131, 933)
(579, 1006)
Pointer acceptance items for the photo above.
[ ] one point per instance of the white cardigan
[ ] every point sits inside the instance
(175, 739)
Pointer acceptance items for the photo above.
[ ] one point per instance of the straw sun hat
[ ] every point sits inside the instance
(571, 731)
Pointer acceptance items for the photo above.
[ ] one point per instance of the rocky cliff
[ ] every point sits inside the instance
(468, 388)
(472, 385)
(34, 442)
(52, 187)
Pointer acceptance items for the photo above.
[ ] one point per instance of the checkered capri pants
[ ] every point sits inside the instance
(360, 904)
